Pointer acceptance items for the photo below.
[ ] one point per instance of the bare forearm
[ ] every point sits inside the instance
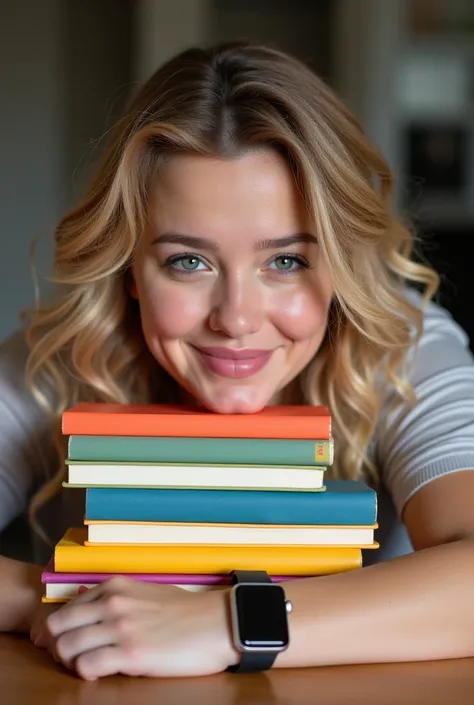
(20, 590)
(418, 607)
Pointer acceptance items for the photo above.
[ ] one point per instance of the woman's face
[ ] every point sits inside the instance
(232, 289)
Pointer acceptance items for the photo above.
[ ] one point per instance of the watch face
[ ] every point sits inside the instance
(261, 614)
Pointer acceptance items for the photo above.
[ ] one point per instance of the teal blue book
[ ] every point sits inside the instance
(345, 502)
(214, 451)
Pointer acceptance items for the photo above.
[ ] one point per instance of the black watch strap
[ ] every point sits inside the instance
(258, 660)
(250, 576)
(251, 662)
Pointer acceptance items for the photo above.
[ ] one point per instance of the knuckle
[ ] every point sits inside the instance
(114, 604)
(123, 626)
(132, 652)
(117, 583)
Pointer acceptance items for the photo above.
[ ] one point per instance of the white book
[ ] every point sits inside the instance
(196, 476)
(228, 534)
(66, 591)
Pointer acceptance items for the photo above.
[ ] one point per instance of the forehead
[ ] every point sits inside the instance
(253, 194)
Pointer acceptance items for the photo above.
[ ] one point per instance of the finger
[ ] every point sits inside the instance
(78, 641)
(117, 585)
(105, 661)
(86, 595)
(74, 616)
(79, 614)
(40, 639)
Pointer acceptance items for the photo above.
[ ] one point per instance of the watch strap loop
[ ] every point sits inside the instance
(250, 576)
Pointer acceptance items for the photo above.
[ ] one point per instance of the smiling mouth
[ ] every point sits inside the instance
(235, 364)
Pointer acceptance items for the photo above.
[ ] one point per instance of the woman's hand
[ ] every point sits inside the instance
(125, 626)
(39, 632)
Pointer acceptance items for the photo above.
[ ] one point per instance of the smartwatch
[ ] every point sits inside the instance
(259, 617)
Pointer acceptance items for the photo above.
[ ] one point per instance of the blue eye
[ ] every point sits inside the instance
(190, 263)
(290, 263)
(185, 263)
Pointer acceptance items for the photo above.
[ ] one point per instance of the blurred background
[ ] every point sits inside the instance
(405, 68)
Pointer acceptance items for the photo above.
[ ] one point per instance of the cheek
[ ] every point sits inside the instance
(170, 312)
(302, 315)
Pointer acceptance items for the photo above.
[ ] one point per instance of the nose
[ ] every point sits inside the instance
(238, 310)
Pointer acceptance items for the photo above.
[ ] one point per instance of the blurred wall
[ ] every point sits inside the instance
(97, 79)
(31, 135)
(165, 27)
(65, 69)
(302, 27)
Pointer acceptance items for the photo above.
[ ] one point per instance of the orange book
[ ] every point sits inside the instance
(73, 555)
(289, 422)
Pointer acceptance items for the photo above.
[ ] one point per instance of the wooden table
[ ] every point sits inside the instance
(28, 675)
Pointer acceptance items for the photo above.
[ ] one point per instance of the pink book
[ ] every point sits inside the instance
(61, 587)
(49, 575)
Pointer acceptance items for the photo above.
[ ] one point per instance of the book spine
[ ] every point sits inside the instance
(209, 559)
(197, 425)
(232, 507)
(127, 449)
(51, 578)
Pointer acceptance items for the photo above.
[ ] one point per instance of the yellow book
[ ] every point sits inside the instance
(74, 556)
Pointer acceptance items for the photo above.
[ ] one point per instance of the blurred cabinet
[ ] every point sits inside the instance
(434, 116)
(442, 18)
(407, 69)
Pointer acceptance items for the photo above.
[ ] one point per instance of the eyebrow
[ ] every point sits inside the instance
(203, 243)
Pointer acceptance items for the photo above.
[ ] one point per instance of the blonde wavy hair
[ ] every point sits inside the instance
(223, 101)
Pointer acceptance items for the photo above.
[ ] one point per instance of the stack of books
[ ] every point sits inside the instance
(180, 495)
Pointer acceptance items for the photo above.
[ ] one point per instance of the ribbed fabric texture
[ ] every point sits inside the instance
(436, 436)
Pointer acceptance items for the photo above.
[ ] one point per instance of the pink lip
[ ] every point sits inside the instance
(229, 354)
(234, 363)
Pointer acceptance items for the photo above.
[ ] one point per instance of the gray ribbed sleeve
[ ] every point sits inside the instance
(26, 449)
(435, 437)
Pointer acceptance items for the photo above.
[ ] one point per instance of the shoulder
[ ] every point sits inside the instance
(414, 444)
(443, 345)
(440, 367)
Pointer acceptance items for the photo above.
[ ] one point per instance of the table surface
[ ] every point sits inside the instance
(29, 675)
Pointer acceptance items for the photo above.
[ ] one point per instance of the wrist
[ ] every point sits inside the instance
(231, 656)
(259, 620)
(20, 595)
(30, 599)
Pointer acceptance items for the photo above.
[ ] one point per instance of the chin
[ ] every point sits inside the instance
(235, 401)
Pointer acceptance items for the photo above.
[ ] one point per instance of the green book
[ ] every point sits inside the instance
(235, 451)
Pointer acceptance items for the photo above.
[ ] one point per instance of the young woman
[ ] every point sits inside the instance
(238, 249)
